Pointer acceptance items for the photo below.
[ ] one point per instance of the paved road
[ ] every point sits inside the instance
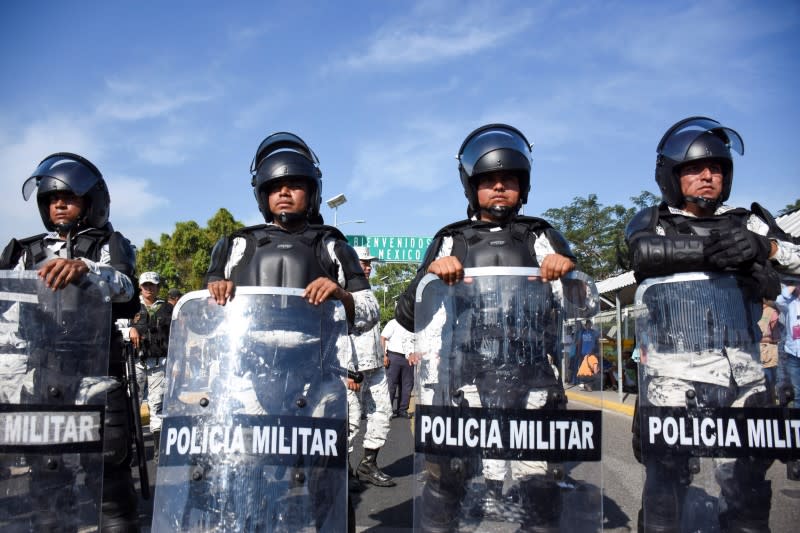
(391, 509)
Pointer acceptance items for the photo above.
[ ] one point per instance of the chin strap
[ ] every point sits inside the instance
(291, 219)
(502, 213)
(703, 202)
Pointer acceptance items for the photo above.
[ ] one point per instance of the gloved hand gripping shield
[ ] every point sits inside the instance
(706, 429)
(254, 435)
(495, 445)
(53, 384)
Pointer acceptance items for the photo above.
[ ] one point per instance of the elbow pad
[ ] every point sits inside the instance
(658, 256)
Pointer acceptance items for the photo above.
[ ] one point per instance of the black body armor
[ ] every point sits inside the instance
(476, 245)
(274, 257)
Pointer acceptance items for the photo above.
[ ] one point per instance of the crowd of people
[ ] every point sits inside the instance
(692, 230)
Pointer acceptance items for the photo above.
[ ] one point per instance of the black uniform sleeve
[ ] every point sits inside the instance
(10, 255)
(354, 278)
(219, 258)
(657, 255)
(123, 260)
(404, 312)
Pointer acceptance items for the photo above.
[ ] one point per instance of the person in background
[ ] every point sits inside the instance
(373, 395)
(770, 334)
(587, 342)
(398, 344)
(149, 334)
(173, 296)
(788, 303)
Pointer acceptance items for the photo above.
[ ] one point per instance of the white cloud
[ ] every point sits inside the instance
(458, 31)
(137, 100)
(21, 152)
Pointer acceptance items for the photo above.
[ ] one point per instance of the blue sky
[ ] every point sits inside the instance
(171, 99)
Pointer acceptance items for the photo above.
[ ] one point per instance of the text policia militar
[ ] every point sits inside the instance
(54, 429)
(272, 439)
(772, 432)
(515, 434)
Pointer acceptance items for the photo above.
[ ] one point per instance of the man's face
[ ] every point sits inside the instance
(149, 291)
(498, 189)
(288, 196)
(366, 266)
(702, 179)
(65, 207)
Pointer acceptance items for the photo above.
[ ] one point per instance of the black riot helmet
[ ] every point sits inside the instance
(695, 139)
(65, 171)
(490, 148)
(285, 155)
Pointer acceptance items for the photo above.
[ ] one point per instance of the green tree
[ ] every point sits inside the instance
(388, 282)
(596, 232)
(182, 258)
(789, 208)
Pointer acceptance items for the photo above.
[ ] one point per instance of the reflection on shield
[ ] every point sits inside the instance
(254, 429)
(495, 445)
(54, 349)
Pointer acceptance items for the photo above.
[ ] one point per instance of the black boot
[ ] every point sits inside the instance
(368, 470)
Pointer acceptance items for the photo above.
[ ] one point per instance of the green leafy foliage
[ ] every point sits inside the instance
(596, 232)
(182, 258)
(789, 208)
(388, 282)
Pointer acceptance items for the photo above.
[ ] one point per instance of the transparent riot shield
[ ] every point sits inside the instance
(708, 428)
(54, 349)
(496, 448)
(254, 430)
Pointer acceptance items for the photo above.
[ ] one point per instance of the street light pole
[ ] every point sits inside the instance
(334, 204)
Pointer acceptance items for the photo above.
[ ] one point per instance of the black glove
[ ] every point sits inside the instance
(736, 247)
(767, 279)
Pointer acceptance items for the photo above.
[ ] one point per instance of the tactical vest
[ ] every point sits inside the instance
(679, 224)
(484, 244)
(274, 257)
(153, 325)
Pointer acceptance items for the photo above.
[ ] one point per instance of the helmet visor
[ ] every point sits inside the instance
(489, 140)
(675, 143)
(279, 142)
(66, 174)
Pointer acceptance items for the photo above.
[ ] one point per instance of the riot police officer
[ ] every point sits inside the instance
(693, 230)
(73, 203)
(149, 334)
(495, 168)
(294, 248)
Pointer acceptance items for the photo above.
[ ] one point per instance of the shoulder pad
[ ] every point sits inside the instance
(354, 278)
(533, 223)
(775, 230)
(455, 227)
(13, 251)
(644, 220)
(123, 256)
(249, 230)
(330, 231)
(219, 257)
